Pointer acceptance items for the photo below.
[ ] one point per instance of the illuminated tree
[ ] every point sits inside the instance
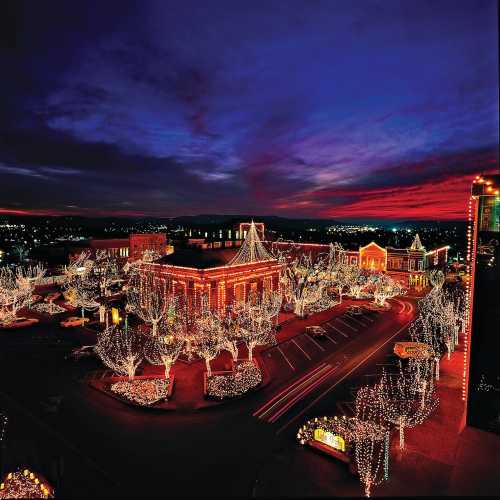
(132, 267)
(150, 299)
(306, 281)
(357, 282)
(209, 336)
(401, 405)
(255, 321)
(16, 289)
(121, 350)
(81, 284)
(440, 318)
(385, 287)
(164, 349)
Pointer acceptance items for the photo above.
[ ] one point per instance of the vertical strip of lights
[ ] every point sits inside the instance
(472, 229)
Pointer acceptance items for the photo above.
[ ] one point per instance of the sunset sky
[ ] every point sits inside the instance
(342, 109)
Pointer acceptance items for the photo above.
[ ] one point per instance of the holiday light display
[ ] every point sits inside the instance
(254, 320)
(25, 484)
(399, 402)
(209, 337)
(357, 281)
(48, 308)
(121, 350)
(361, 440)
(16, 289)
(252, 249)
(163, 349)
(385, 287)
(80, 283)
(441, 316)
(151, 300)
(144, 392)
(245, 377)
(306, 281)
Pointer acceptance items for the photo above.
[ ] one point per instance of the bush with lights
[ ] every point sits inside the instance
(245, 377)
(144, 392)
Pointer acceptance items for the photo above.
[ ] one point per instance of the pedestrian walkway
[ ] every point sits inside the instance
(440, 458)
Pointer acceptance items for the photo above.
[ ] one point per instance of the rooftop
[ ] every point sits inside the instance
(198, 258)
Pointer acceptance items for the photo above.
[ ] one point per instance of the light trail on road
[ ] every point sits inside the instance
(337, 382)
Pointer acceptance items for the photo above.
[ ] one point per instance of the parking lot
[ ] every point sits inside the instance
(295, 354)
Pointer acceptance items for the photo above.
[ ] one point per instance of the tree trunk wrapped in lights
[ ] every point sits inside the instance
(164, 349)
(385, 287)
(401, 404)
(209, 336)
(121, 350)
(358, 281)
(151, 300)
(439, 320)
(306, 281)
(368, 439)
(16, 289)
(254, 319)
(81, 283)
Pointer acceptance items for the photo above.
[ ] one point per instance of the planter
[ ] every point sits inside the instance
(234, 383)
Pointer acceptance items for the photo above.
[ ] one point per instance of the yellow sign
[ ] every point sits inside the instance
(329, 439)
(115, 316)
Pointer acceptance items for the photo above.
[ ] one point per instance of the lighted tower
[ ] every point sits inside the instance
(481, 373)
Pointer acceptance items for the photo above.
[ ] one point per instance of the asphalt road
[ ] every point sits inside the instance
(238, 448)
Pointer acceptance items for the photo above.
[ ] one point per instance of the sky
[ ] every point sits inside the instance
(354, 109)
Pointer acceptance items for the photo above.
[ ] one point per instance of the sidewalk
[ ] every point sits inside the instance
(439, 458)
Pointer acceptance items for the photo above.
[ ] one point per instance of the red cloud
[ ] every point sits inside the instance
(444, 199)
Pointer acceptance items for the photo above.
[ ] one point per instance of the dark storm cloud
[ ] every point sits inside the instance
(294, 107)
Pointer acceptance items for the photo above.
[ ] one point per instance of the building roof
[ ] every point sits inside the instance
(198, 258)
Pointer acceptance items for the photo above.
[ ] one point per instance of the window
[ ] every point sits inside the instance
(268, 284)
(420, 265)
(239, 292)
(411, 264)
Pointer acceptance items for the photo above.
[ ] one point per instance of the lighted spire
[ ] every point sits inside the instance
(252, 249)
(417, 244)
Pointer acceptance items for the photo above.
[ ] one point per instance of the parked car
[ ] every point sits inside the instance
(52, 296)
(355, 310)
(19, 323)
(316, 331)
(74, 321)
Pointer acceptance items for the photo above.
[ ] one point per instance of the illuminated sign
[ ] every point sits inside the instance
(115, 315)
(330, 439)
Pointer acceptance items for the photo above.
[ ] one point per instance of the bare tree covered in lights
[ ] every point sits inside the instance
(385, 287)
(81, 284)
(121, 350)
(255, 320)
(357, 282)
(401, 405)
(306, 280)
(209, 335)
(151, 300)
(164, 349)
(16, 289)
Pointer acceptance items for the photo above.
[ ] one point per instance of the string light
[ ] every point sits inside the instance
(144, 392)
(16, 290)
(25, 484)
(252, 249)
(245, 377)
(363, 441)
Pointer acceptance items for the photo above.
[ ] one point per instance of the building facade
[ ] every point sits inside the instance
(126, 249)
(481, 375)
(223, 276)
(409, 266)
